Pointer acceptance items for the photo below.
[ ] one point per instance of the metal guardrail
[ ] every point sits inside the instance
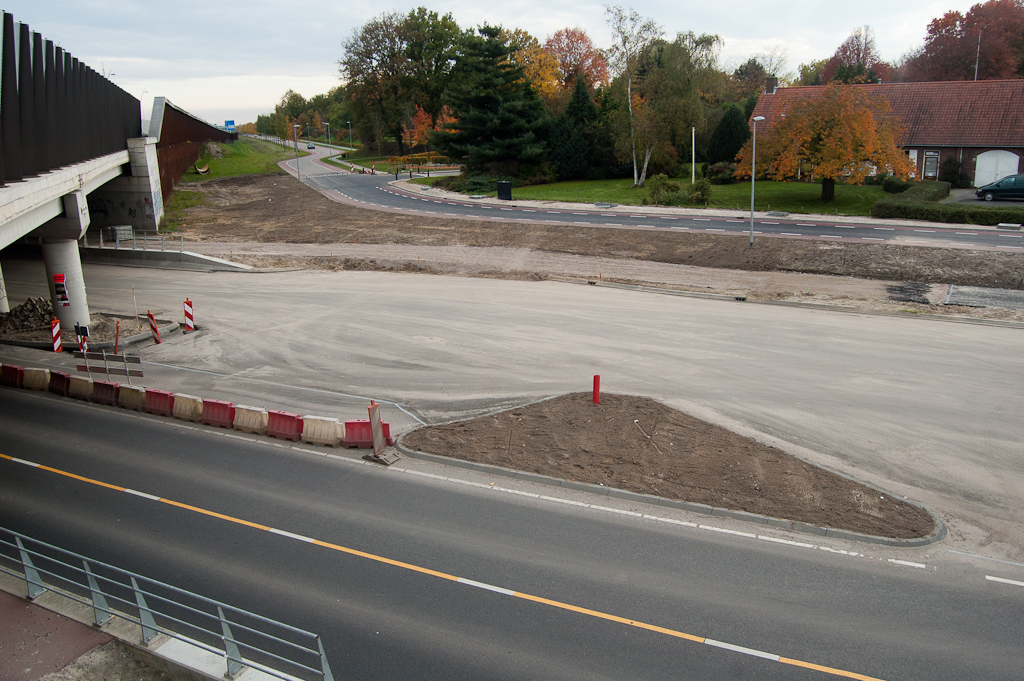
(272, 647)
(143, 241)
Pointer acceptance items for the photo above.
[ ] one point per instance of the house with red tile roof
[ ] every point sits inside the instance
(979, 123)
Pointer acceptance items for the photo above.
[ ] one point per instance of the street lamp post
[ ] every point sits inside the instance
(328, 126)
(693, 155)
(297, 171)
(753, 173)
(349, 133)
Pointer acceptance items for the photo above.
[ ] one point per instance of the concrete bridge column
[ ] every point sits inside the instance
(64, 264)
(5, 306)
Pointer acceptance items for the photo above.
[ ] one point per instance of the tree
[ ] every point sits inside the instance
(845, 133)
(810, 73)
(577, 58)
(856, 60)
(539, 67)
(987, 43)
(573, 135)
(499, 120)
(431, 48)
(632, 36)
(729, 136)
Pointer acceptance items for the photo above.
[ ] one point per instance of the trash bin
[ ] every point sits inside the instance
(504, 190)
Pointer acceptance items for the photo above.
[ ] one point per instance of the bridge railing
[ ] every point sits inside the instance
(56, 111)
(136, 240)
(242, 638)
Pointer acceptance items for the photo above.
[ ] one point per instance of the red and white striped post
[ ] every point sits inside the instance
(55, 331)
(83, 343)
(152, 327)
(190, 324)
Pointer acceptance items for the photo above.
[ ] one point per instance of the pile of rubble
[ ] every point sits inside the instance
(34, 313)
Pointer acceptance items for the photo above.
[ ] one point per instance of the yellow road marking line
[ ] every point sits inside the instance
(443, 575)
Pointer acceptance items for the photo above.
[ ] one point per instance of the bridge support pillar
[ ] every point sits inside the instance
(133, 199)
(64, 263)
(5, 305)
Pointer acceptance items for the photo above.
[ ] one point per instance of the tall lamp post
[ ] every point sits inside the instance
(693, 155)
(299, 172)
(753, 173)
(328, 126)
(349, 133)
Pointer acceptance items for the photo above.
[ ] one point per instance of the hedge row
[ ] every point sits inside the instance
(920, 202)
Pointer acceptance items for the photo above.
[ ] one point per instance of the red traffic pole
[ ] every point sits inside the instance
(117, 335)
(597, 389)
(55, 332)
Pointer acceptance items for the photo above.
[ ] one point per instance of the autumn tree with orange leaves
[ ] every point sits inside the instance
(577, 58)
(844, 133)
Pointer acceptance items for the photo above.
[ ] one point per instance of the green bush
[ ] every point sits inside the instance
(661, 191)
(894, 185)
(921, 202)
(700, 192)
(722, 173)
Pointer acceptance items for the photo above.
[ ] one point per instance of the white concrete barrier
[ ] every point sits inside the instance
(80, 387)
(251, 419)
(132, 397)
(36, 379)
(188, 407)
(319, 430)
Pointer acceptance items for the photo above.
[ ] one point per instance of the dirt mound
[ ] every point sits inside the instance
(637, 444)
(33, 314)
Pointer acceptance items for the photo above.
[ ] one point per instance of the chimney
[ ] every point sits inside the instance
(771, 85)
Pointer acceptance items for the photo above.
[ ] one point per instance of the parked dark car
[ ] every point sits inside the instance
(1010, 187)
(310, 146)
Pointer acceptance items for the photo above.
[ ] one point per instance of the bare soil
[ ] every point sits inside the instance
(111, 662)
(640, 445)
(276, 208)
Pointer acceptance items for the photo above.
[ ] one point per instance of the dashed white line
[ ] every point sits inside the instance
(929, 231)
(554, 212)
(741, 649)
(488, 587)
(291, 535)
(968, 233)
(702, 219)
(829, 236)
(142, 494)
(805, 224)
(668, 217)
(1012, 236)
(769, 223)
(872, 238)
(885, 229)
(790, 234)
(907, 563)
(526, 210)
(614, 224)
(848, 227)
(579, 213)
(1004, 581)
(713, 229)
(27, 463)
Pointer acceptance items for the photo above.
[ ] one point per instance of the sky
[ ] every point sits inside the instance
(223, 61)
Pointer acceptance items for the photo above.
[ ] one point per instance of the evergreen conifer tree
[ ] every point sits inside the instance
(572, 139)
(729, 136)
(499, 122)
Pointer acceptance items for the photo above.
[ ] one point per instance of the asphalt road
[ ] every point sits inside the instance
(376, 192)
(554, 591)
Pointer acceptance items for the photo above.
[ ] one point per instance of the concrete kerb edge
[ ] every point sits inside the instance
(785, 303)
(795, 526)
(164, 328)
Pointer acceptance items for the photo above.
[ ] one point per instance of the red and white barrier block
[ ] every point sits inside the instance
(55, 332)
(190, 324)
(152, 327)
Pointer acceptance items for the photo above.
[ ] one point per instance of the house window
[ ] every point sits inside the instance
(931, 165)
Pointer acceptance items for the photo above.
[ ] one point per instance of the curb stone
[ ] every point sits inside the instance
(937, 535)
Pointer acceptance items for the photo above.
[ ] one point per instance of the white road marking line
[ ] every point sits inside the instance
(885, 229)
(713, 229)
(788, 542)
(768, 223)
(735, 220)
(1016, 248)
(872, 238)
(565, 501)
(527, 210)
(27, 463)
(488, 587)
(637, 216)
(554, 212)
(1012, 236)
(142, 494)
(291, 535)
(847, 227)
(668, 217)
(750, 535)
(614, 224)
(741, 649)
(616, 510)
(829, 236)
(790, 234)
(968, 233)
(651, 226)
(702, 219)
(930, 231)
(805, 224)
(506, 209)
(582, 223)
(609, 215)
(907, 563)
(1004, 581)
(579, 213)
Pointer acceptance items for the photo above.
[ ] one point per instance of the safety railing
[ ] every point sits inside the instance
(243, 638)
(139, 240)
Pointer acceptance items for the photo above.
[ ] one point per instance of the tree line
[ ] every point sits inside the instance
(506, 105)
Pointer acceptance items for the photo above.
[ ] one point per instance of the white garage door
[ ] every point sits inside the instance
(994, 165)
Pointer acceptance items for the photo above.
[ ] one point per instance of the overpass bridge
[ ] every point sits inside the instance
(73, 154)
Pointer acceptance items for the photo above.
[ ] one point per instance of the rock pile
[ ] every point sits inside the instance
(34, 313)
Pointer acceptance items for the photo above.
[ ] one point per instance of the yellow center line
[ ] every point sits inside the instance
(443, 575)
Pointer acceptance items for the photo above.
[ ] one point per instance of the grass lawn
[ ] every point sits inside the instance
(792, 197)
(247, 156)
(174, 208)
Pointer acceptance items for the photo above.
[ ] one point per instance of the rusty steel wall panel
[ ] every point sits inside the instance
(181, 142)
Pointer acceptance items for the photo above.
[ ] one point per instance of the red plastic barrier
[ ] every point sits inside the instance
(159, 402)
(284, 425)
(60, 383)
(11, 375)
(105, 392)
(218, 413)
(359, 436)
